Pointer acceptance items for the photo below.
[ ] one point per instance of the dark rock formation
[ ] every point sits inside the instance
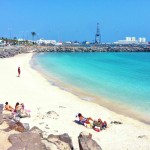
(37, 131)
(14, 50)
(1, 115)
(26, 126)
(87, 143)
(26, 141)
(52, 114)
(142, 137)
(61, 141)
(1, 108)
(116, 122)
(8, 116)
(1, 118)
(17, 126)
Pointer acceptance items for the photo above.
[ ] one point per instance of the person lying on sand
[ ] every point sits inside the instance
(84, 120)
(8, 107)
(97, 125)
(100, 124)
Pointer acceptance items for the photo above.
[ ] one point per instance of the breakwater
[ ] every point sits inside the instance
(10, 51)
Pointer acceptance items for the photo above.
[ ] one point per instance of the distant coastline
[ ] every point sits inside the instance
(10, 51)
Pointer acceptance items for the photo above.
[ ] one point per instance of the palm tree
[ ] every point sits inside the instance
(33, 34)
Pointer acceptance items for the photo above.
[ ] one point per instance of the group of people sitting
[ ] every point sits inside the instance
(97, 125)
(18, 111)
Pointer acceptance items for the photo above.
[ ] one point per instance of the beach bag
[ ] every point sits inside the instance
(97, 129)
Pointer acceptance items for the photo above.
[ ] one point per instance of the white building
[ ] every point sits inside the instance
(132, 40)
(128, 38)
(46, 42)
(2, 42)
(21, 39)
(142, 40)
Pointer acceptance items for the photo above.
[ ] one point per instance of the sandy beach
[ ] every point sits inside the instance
(40, 96)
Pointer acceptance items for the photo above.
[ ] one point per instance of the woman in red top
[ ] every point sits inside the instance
(19, 71)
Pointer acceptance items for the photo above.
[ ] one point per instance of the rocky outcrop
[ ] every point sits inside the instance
(14, 50)
(37, 131)
(116, 122)
(59, 142)
(33, 140)
(87, 143)
(93, 48)
(142, 137)
(1, 118)
(26, 141)
(1, 115)
(8, 116)
(17, 126)
(1, 108)
(52, 114)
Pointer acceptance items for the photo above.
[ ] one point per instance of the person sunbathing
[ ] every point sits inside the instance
(19, 109)
(100, 123)
(8, 107)
(84, 120)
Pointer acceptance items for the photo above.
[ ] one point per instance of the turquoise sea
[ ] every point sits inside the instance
(119, 78)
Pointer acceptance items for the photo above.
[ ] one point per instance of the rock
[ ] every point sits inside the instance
(62, 107)
(87, 143)
(49, 145)
(52, 114)
(17, 126)
(46, 127)
(13, 50)
(1, 108)
(37, 131)
(26, 126)
(61, 141)
(41, 123)
(8, 116)
(116, 122)
(1, 115)
(143, 137)
(86, 134)
(65, 138)
(1, 118)
(26, 141)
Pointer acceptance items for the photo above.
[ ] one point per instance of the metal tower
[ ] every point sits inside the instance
(97, 35)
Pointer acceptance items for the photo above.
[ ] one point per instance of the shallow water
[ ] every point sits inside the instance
(122, 78)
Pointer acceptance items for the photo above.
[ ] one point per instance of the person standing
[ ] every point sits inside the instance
(19, 71)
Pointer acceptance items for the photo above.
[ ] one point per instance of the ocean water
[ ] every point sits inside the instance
(122, 78)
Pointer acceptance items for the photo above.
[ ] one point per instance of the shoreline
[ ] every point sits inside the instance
(40, 96)
(117, 107)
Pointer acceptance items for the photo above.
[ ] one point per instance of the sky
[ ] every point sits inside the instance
(70, 20)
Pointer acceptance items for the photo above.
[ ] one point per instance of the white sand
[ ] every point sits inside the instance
(40, 97)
